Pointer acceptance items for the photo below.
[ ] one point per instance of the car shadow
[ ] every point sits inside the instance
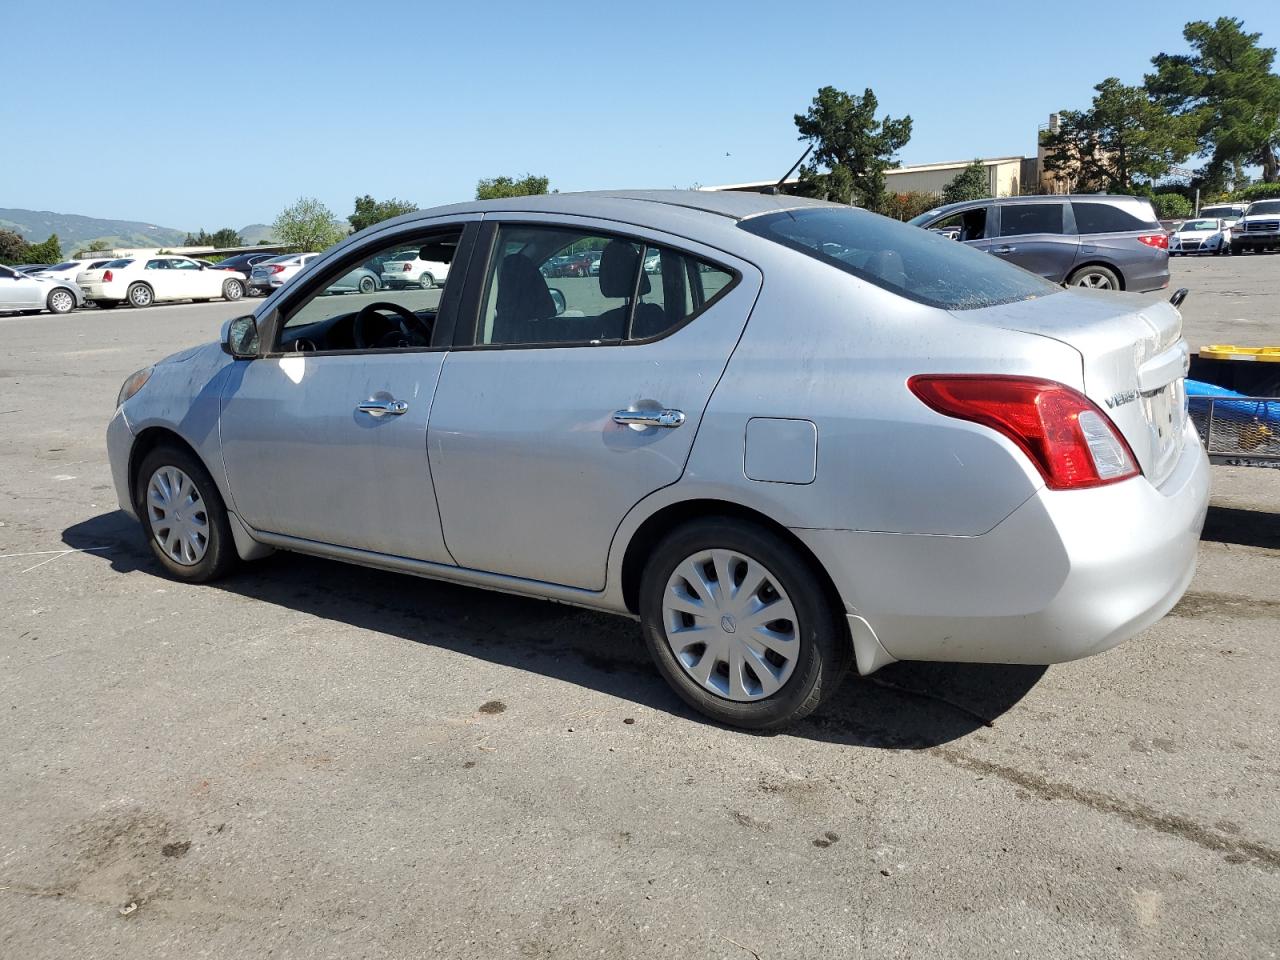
(1246, 528)
(903, 706)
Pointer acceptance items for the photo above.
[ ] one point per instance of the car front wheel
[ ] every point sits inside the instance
(739, 624)
(183, 515)
(61, 301)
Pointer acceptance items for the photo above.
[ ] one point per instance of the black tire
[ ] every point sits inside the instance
(220, 553)
(60, 300)
(825, 649)
(140, 295)
(232, 289)
(1095, 270)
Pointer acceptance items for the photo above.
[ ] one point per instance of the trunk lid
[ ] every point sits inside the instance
(1134, 361)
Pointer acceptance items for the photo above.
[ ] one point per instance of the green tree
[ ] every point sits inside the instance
(48, 252)
(1124, 141)
(971, 183)
(226, 237)
(851, 144)
(369, 211)
(499, 187)
(12, 247)
(307, 225)
(1172, 206)
(904, 206)
(1227, 89)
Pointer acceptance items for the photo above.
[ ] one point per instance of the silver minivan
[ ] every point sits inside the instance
(1101, 241)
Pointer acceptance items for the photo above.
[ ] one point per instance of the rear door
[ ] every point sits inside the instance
(1037, 237)
(567, 400)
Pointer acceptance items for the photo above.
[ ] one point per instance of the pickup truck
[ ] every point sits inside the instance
(1258, 229)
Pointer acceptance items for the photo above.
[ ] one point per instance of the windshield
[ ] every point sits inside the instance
(1223, 213)
(1191, 225)
(1263, 206)
(913, 263)
(925, 217)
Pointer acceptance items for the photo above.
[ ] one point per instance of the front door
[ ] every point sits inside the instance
(571, 398)
(18, 291)
(325, 438)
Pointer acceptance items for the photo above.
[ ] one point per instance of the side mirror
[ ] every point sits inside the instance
(557, 297)
(240, 337)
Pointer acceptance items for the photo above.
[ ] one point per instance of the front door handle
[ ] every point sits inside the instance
(1005, 249)
(380, 408)
(649, 418)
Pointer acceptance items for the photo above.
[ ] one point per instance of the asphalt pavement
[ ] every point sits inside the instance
(316, 760)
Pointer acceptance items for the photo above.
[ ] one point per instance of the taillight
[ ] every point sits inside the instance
(276, 268)
(406, 268)
(106, 277)
(1070, 440)
(1158, 240)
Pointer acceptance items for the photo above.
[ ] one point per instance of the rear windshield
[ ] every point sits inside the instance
(119, 264)
(1263, 206)
(65, 266)
(1224, 213)
(918, 264)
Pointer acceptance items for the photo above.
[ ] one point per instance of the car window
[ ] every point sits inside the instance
(913, 263)
(177, 264)
(1106, 218)
(549, 285)
(6, 272)
(119, 264)
(353, 308)
(963, 225)
(1263, 206)
(1020, 219)
(1191, 225)
(157, 265)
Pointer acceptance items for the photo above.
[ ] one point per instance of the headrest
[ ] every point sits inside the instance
(522, 291)
(618, 265)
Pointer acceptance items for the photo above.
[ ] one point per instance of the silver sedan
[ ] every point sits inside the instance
(804, 438)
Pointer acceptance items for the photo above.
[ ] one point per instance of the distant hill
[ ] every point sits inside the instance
(76, 232)
(255, 233)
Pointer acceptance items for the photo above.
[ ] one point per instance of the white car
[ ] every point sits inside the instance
(408, 269)
(1200, 236)
(27, 293)
(270, 275)
(68, 270)
(142, 281)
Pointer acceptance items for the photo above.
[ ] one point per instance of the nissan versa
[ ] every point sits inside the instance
(803, 437)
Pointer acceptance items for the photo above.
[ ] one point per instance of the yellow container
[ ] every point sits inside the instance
(1222, 351)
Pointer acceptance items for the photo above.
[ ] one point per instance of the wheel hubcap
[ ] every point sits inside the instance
(1096, 281)
(141, 296)
(730, 625)
(62, 301)
(178, 518)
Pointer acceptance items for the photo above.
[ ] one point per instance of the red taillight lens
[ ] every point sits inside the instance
(1070, 440)
(276, 268)
(106, 277)
(1158, 240)
(406, 268)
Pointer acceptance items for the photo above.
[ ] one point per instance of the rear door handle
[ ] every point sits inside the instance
(381, 408)
(649, 418)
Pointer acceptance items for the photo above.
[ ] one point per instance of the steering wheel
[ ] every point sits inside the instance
(408, 329)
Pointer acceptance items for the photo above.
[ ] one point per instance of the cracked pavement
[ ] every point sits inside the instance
(312, 759)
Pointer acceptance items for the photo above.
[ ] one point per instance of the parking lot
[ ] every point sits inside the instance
(312, 759)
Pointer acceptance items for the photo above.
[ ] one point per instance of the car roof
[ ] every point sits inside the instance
(1042, 198)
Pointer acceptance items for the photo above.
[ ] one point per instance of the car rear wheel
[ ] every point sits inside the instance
(232, 289)
(426, 281)
(1095, 278)
(61, 301)
(140, 295)
(367, 285)
(737, 621)
(183, 515)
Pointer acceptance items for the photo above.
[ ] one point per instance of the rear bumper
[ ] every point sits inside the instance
(119, 447)
(104, 291)
(1068, 574)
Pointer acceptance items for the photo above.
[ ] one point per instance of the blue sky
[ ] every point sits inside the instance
(219, 114)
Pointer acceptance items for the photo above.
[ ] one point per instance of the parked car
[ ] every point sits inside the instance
(142, 281)
(27, 293)
(1100, 241)
(408, 269)
(1200, 236)
(913, 451)
(1229, 213)
(244, 262)
(32, 267)
(69, 269)
(359, 280)
(274, 273)
(1258, 229)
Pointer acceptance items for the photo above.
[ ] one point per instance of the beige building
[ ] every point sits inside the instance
(1005, 176)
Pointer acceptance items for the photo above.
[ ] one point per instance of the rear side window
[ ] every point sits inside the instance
(917, 264)
(1020, 219)
(1106, 218)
